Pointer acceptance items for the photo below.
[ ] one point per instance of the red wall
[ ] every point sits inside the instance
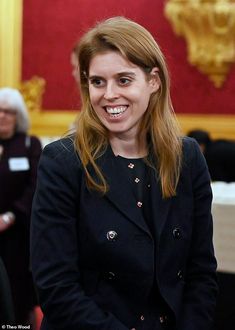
(51, 27)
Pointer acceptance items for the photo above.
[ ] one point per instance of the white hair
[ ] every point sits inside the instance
(13, 98)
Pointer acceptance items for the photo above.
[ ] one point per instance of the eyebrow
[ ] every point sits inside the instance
(120, 74)
(126, 73)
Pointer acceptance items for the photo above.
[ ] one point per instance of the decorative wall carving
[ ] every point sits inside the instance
(32, 91)
(209, 29)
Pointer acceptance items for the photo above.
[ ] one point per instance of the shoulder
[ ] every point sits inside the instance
(62, 150)
(34, 139)
(192, 155)
(33, 142)
(60, 168)
(221, 146)
(27, 140)
(191, 148)
(188, 143)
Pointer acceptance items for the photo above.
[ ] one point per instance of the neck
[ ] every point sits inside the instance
(6, 136)
(128, 147)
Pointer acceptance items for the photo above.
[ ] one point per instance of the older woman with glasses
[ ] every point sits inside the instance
(19, 154)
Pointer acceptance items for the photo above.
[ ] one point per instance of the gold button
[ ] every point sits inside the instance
(142, 317)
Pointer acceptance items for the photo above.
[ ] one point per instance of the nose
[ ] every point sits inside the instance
(111, 91)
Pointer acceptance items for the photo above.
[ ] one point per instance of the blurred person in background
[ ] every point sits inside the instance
(19, 155)
(74, 63)
(219, 154)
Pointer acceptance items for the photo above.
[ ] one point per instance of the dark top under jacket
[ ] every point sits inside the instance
(95, 259)
(18, 168)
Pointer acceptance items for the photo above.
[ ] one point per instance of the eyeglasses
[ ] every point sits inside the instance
(8, 112)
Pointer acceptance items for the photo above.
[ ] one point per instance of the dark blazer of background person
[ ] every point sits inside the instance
(89, 279)
(219, 154)
(220, 157)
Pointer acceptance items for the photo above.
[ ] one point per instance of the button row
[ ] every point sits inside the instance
(112, 234)
(163, 319)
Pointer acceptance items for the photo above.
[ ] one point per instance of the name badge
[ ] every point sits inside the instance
(18, 164)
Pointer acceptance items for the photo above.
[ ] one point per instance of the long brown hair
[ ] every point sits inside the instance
(137, 45)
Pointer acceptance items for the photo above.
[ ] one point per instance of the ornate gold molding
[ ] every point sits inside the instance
(219, 126)
(32, 91)
(10, 42)
(209, 29)
(51, 123)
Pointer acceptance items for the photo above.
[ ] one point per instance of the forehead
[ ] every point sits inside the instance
(112, 62)
(4, 104)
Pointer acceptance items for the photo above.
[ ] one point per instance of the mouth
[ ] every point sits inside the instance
(115, 111)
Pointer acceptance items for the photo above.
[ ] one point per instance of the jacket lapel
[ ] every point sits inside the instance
(159, 207)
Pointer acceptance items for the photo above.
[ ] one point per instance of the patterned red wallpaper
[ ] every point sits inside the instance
(50, 29)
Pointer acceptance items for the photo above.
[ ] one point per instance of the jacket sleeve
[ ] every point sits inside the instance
(200, 293)
(22, 206)
(54, 246)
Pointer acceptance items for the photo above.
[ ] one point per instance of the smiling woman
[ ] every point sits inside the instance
(121, 221)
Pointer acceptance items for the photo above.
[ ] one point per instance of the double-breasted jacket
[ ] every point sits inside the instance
(94, 259)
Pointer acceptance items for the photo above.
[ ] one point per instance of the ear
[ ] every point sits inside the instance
(154, 80)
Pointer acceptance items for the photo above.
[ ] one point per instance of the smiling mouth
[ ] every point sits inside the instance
(116, 111)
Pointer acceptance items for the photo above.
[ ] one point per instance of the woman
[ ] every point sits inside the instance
(19, 155)
(121, 224)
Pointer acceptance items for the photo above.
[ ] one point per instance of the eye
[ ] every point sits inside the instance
(97, 82)
(124, 81)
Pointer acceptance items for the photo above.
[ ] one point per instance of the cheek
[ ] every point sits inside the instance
(10, 124)
(143, 101)
(94, 96)
(95, 102)
(140, 94)
(13, 123)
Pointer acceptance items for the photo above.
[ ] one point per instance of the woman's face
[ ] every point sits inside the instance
(7, 120)
(120, 92)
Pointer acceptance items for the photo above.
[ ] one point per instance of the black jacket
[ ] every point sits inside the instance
(86, 281)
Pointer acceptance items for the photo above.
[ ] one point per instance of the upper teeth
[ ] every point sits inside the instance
(118, 109)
